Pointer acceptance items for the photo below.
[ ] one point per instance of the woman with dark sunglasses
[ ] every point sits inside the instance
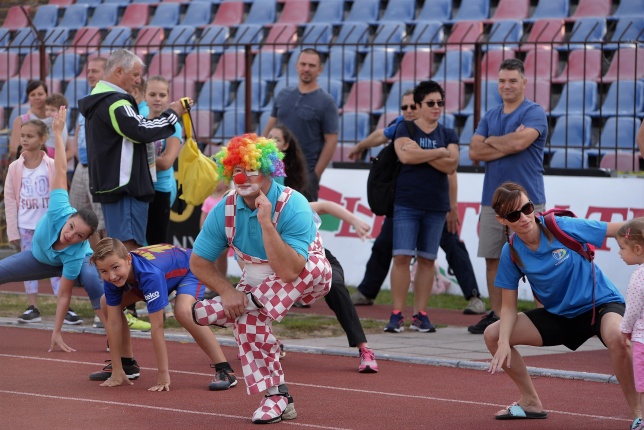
(579, 301)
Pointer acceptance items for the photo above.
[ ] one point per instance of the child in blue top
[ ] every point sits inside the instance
(150, 274)
(564, 282)
(60, 245)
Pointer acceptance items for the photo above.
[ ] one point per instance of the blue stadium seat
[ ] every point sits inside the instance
(251, 34)
(550, 9)
(628, 33)
(341, 64)
(66, 66)
(13, 92)
(572, 131)
(166, 16)
(198, 14)
(619, 132)
(435, 10)
(354, 126)
(426, 34)
(75, 16)
(379, 64)
(104, 16)
(46, 17)
(15, 112)
(490, 98)
(118, 2)
(233, 123)
(118, 37)
(76, 89)
(473, 10)
(317, 35)
(329, 12)
(505, 34)
(333, 87)
(181, 39)
(214, 96)
(390, 35)
(5, 38)
(629, 8)
(464, 156)
(24, 41)
(467, 131)
(569, 158)
(56, 39)
(577, 98)
(399, 11)
(93, 3)
(263, 120)
(398, 88)
(258, 96)
(267, 66)
(262, 12)
(213, 38)
(447, 119)
(354, 33)
(455, 65)
(624, 98)
(364, 11)
(585, 31)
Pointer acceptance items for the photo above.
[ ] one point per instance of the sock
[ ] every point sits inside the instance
(127, 361)
(224, 365)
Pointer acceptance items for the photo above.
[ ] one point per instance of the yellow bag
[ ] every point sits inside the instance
(197, 174)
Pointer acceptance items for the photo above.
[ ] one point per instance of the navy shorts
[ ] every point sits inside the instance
(126, 219)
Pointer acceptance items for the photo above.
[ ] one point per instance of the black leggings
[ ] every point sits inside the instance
(158, 219)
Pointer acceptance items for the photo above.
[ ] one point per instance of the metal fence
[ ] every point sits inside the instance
(587, 75)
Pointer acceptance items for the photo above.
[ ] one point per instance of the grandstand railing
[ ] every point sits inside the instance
(234, 81)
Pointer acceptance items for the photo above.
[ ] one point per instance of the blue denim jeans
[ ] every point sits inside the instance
(23, 266)
(417, 232)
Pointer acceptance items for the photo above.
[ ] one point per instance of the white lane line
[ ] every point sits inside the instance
(326, 387)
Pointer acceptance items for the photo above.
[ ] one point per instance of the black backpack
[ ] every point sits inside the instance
(381, 183)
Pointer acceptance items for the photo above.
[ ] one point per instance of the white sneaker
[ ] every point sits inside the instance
(97, 322)
(72, 318)
(476, 306)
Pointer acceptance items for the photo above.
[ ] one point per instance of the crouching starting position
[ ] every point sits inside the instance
(274, 234)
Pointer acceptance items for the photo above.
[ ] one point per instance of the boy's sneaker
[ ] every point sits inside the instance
(420, 322)
(131, 370)
(480, 327)
(476, 306)
(367, 361)
(31, 315)
(275, 408)
(359, 299)
(223, 380)
(97, 322)
(396, 323)
(71, 318)
(136, 324)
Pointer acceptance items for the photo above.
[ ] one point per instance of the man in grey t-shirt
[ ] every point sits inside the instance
(311, 114)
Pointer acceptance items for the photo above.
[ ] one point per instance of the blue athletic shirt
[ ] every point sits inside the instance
(295, 226)
(48, 231)
(158, 270)
(420, 186)
(561, 278)
(525, 167)
(165, 178)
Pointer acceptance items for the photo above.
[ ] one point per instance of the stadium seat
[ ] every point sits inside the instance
(505, 34)
(490, 98)
(181, 39)
(577, 98)
(13, 92)
(281, 37)
(24, 41)
(386, 119)
(619, 132)
(545, 33)
(215, 95)
(415, 65)
(93, 3)
(355, 34)
(9, 64)
(267, 66)
(86, 39)
(258, 96)
(454, 96)
(464, 155)
(117, 37)
(539, 92)
(628, 33)
(541, 65)
(354, 126)
(262, 12)
(181, 86)
(75, 16)
(213, 38)
(426, 34)
(295, 12)
(378, 64)
(66, 66)
(455, 65)
(572, 131)
(341, 64)
(628, 8)
(104, 16)
(624, 98)
(166, 15)
(163, 63)
(263, 120)
(491, 62)
(15, 112)
(550, 9)
(447, 119)
(364, 11)
(364, 96)
(626, 64)
(569, 158)
(198, 14)
(317, 35)
(56, 39)
(511, 9)
(123, 3)
(389, 35)
(399, 12)
(231, 66)
(61, 2)
(197, 66)
(584, 32)
(136, 15)
(582, 64)
(203, 122)
(398, 88)
(30, 67)
(15, 18)
(473, 10)
(594, 9)
(76, 89)
(435, 10)
(624, 161)
(463, 34)
(248, 34)
(329, 12)
(46, 17)
(233, 123)
(5, 38)
(229, 14)
(148, 40)
(465, 136)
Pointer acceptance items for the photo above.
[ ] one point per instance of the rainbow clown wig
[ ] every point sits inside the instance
(251, 152)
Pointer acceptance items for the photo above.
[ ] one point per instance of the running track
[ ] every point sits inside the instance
(52, 390)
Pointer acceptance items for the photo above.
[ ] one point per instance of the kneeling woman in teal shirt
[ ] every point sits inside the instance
(60, 245)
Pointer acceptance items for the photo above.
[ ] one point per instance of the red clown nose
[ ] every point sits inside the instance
(239, 178)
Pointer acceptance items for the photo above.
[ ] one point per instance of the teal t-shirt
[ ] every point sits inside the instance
(166, 183)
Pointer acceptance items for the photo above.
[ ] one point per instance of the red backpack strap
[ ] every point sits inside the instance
(563, 237)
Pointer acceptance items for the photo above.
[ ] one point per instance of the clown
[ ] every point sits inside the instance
(273, 232)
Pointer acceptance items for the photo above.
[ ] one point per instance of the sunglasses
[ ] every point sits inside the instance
(246, 172)
(404, 107)
(515, 216)
(432, 103)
